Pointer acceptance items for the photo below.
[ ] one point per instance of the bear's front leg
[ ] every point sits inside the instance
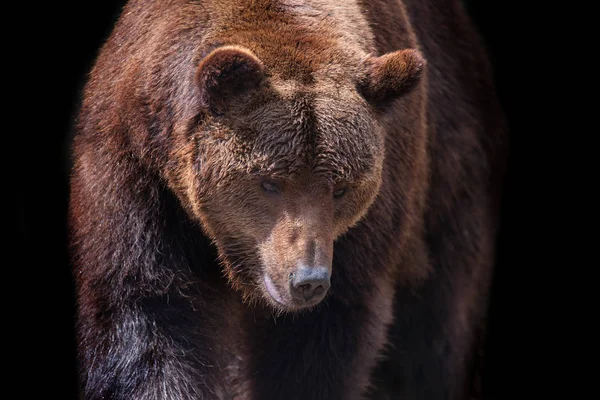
(324, 353)
(147, 306)
(147, 350)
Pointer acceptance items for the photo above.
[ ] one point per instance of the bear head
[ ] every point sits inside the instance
(280, 168)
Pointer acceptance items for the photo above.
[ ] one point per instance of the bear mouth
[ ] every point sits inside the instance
(272, 290)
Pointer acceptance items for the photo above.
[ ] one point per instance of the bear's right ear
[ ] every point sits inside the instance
(390, 76)
(225, 73)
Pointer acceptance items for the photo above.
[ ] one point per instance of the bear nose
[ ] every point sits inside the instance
(310, 283)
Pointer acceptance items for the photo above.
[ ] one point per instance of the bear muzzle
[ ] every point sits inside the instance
(306, 287)
(309, 284)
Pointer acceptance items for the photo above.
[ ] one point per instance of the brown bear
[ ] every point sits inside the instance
(285, 199)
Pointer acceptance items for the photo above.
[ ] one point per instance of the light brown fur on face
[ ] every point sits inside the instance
(302, 235)
(310, 145)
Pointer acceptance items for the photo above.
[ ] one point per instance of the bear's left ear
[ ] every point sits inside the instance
(226, 73)
(390, 76)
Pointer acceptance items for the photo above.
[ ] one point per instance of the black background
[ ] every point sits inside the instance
(66, 40)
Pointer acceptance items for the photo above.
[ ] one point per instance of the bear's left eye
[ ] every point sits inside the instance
(270, 187)
(339, 193)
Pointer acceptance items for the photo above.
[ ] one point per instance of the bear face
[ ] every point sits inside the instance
(276, 170)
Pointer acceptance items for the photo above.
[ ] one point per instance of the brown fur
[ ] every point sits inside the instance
(214, 140)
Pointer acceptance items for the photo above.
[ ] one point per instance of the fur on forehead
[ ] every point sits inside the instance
(328, 131)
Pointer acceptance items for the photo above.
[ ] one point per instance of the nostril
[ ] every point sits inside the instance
(305, 288)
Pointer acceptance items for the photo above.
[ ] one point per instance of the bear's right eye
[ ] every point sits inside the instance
(270, 187)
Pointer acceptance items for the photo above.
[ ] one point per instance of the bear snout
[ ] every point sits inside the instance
(305, 287)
